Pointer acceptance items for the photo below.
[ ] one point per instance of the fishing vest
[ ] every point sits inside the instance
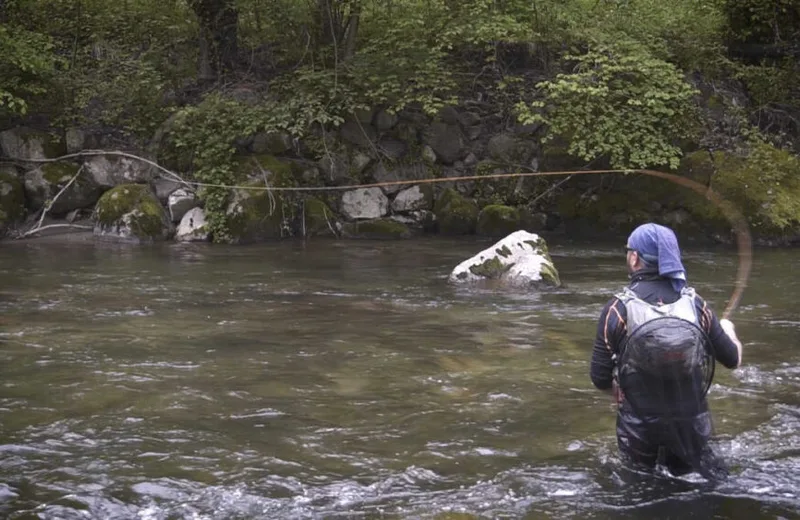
(664, 365)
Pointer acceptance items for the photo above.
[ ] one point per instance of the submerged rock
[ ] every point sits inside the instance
(131, 212)
(520, 259)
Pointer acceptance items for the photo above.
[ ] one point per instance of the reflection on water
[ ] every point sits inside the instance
(349, 379)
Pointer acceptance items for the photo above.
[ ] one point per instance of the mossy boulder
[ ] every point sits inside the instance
(12, 198)
(455, 214)
(257, 214)
(319, 219)
(45, 182)
(520, 259)
(382, 228)
(131, 212)
(497, 220)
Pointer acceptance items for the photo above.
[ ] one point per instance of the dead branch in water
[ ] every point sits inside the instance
(48, 205)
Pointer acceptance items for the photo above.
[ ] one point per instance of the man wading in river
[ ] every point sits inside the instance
(656, 345)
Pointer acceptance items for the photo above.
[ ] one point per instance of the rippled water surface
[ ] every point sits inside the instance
(350, 380)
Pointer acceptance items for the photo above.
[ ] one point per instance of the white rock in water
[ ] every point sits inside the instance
(193, 227)
(521, 258)
(365, 203)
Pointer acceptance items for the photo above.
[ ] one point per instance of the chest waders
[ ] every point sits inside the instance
(664, 369)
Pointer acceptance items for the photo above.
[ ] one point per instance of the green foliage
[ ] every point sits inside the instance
(208, 131)
(27, 63)
(620, 103)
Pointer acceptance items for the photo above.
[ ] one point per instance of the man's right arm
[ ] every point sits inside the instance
(727, 347)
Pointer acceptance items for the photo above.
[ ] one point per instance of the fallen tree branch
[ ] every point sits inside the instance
(49, 204)
(52, 226)
(92, 153)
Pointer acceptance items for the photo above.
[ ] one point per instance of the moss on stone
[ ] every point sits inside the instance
(58, 172)
(491, 269)
(382, 228)
(319, 218)
(498, 220)
(550, 273)
(146, 216)
(455, 214)
(258, 215)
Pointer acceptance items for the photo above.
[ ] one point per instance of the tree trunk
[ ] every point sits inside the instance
(219, 23)
(352, 32)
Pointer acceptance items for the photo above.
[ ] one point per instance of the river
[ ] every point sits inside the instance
(348, 379)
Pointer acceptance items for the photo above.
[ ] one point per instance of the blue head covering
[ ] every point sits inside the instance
(658, 245)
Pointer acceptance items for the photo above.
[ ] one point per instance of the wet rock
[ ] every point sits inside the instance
(412, 199)
(455, 214)
(193, 227)
(520, 259)
(365, 203)
(27, 144)
(179, 202)
(496, 220)
(111, 170)
(383, 228)
(131, 213)
(45, 182)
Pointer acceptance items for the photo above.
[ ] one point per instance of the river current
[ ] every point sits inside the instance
(349, 379)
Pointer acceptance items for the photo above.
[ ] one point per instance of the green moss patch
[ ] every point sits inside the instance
(135, 206)
(498, 220)
(455, 214)
(382, 228)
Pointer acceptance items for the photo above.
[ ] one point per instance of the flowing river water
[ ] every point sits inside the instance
(347, 379)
